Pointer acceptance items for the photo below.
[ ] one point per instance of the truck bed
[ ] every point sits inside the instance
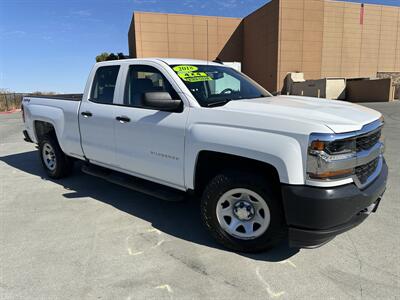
(59, 110)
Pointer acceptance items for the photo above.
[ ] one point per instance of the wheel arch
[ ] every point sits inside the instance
(210, 163)
(43, 116)
(42, 128)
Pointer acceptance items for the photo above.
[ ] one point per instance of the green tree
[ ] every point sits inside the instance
(110, 56)
(102, 57)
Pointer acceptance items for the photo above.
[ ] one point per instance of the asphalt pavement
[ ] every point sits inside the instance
(84, 238)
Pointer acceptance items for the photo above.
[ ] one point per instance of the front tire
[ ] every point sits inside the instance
(54, 160)
(243, 212)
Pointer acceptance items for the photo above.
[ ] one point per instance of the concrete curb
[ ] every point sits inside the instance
(10, 111)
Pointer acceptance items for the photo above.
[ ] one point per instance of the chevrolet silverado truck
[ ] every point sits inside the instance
(265, 168)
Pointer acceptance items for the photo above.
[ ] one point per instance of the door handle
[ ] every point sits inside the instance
(86, 114)
(123, 119)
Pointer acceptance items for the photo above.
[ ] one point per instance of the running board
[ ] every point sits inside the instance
(137, 184)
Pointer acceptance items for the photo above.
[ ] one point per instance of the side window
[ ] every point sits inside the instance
(104, 84)
(143, 79)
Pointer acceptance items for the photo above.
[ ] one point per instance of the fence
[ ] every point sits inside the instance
(11, 101)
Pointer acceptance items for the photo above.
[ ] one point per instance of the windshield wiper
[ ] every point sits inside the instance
(261, 96)
(218, 103)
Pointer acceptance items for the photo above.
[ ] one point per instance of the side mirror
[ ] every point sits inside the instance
(161, 101)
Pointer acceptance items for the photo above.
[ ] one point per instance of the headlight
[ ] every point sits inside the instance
(330, 159)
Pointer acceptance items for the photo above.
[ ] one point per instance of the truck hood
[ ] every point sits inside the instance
(339, 116)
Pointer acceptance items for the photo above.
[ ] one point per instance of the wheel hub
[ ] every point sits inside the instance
(243, 213)
(49, 156)
(244, 210)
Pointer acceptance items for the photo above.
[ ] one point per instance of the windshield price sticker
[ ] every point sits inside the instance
(189, 74)
(194, 76)
(184, 68)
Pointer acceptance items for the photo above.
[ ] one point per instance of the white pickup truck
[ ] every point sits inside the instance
(266, 167)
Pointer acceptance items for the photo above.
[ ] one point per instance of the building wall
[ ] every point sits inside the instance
(352, 49)
(301, 38)
(326, 38)
(322, 38)
(183, 36)
(260, 45)
(334, 43)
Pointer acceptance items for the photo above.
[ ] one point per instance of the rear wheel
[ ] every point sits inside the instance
(54, 161)
(243, 212)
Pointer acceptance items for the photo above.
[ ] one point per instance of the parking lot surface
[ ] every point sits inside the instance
(84, 238)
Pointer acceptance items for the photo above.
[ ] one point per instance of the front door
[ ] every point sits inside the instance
(149, 142)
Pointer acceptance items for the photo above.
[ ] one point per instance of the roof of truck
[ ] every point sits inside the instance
(169, 61)
(186, 61)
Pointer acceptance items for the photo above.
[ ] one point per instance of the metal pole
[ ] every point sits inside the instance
(207, 40)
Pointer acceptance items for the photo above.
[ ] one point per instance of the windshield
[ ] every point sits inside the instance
(216, 85)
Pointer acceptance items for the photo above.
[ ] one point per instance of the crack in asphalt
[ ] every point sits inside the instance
(359, 262)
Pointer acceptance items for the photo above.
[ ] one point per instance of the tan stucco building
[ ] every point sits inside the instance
(321, 38)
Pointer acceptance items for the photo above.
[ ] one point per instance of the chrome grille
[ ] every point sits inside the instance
(366, 142)
(363, 172)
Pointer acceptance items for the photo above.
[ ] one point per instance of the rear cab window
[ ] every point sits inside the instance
(104, 83)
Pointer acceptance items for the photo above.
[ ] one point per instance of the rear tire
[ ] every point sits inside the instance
(243, 212)
(54, 160)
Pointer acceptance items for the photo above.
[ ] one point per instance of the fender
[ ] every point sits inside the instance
(49, 114)
(259, 145)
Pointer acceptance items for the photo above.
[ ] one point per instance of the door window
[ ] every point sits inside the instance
(104, 84)
(144, 79)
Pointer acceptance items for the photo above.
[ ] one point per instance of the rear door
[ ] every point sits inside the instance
(96, 117)
(150, 142)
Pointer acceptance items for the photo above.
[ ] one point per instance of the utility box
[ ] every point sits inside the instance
(370, 90)
(330, 88)
(290, 79)
(395, 80)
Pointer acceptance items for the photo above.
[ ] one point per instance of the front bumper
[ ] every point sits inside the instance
(316, 215)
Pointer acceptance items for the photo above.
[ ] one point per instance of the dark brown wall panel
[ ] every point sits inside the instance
(132, 38)
(260, 45)
(233, 48)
